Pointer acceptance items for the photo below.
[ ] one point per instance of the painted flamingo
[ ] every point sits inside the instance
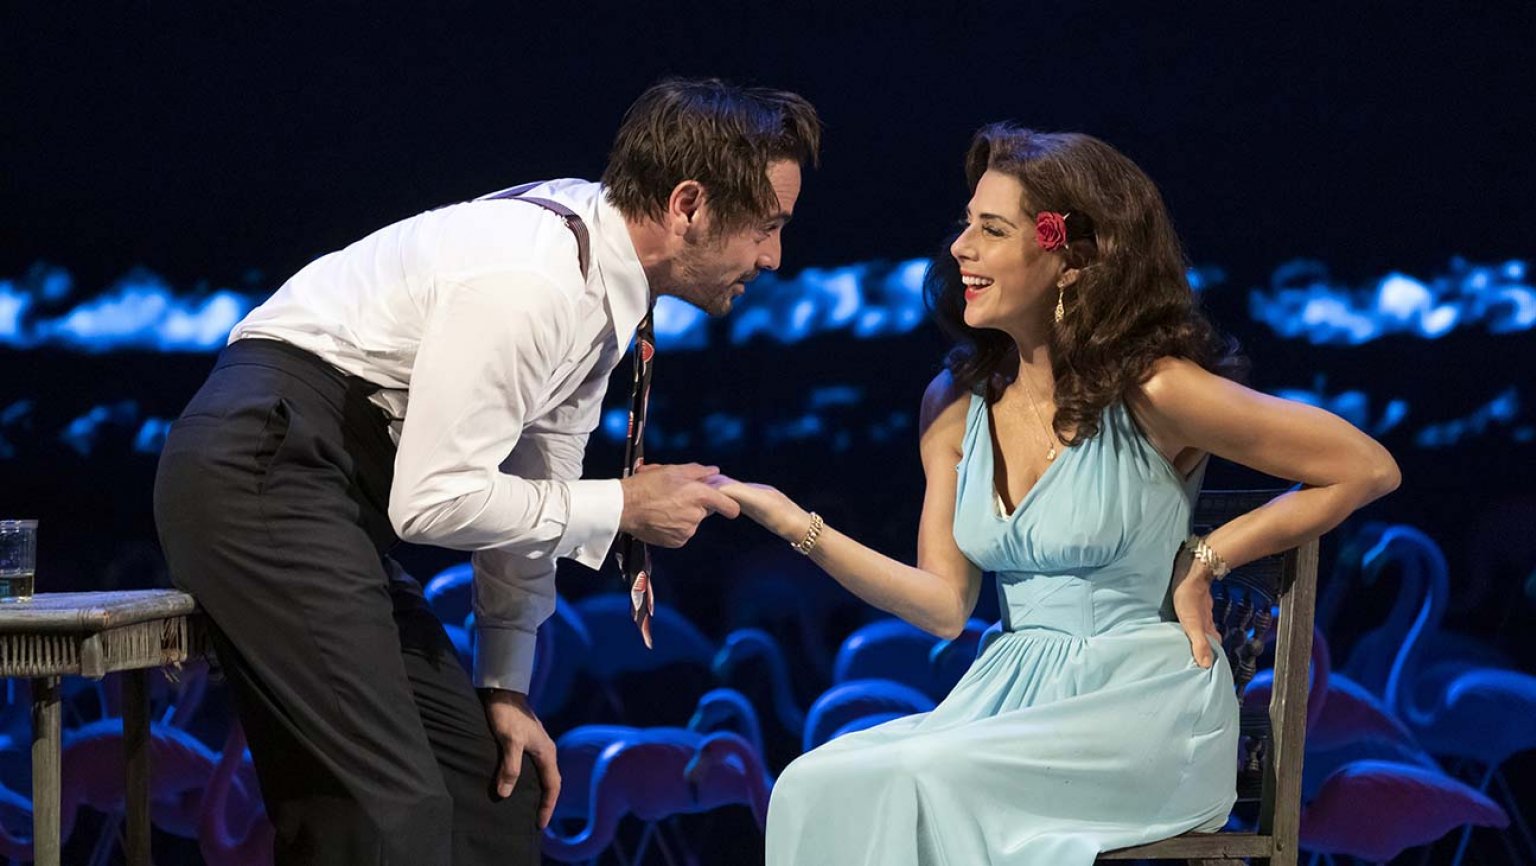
(728, 709)
(1375, 810)
(653, 774)
(745, 646)
(1411, 802)
(15, 825)
(450, 595)
(175, 697)
(1414, 619)
(577, 752)
(1456, 707)
(450, 592)
(246, 837)
(682, 654)
(886, 649)
(93, 775)
(561, 647)
(1483, 717)
(950, 659)
(783, 597)
(175, 693)
(846, 703)
(1345, 723)
(864, 723)
(617, 648)
(580, 748)
(564, 644)
(872, 647)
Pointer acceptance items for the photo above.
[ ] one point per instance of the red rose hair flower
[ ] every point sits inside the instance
(1051, 230)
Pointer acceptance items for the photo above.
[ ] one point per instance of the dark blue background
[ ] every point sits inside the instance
(225, 146)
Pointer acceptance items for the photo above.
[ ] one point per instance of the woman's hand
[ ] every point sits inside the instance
(766, 505)
(1192, 604)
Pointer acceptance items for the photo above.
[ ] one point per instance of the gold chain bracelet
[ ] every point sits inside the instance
(812, 535)
(1208, 555)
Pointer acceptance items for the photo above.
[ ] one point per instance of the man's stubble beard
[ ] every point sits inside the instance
(692, 281)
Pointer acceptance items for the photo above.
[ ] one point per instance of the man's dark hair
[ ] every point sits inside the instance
(713, 132)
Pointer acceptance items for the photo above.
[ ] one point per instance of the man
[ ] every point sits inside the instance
(436, 382)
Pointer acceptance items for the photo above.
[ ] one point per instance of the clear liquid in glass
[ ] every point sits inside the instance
(16, 587)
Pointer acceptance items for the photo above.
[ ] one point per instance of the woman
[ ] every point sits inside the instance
(1063, 447)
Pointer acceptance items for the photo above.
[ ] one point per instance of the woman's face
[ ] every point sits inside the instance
(1010, 283)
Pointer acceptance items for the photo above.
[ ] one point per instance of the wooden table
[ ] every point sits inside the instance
(93, 634)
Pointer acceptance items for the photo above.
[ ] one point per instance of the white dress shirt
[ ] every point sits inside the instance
(493, 355)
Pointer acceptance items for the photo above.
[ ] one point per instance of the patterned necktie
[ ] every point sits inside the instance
(634, 558)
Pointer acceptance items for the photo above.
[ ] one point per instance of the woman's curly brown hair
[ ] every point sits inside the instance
(1131, 303)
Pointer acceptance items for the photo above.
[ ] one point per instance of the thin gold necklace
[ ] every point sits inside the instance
(1050, 435)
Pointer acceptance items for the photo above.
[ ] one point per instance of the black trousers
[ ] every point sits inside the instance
(369, 740)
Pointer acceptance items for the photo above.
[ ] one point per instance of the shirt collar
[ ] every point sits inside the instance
(626, 289)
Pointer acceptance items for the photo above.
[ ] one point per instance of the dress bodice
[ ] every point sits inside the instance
(1091, 546)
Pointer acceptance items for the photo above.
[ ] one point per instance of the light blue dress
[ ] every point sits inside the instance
(1083, 727)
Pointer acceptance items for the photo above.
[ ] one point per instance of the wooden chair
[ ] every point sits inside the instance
(1272, 741)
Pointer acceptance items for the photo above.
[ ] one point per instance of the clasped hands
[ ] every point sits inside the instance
(664, 504)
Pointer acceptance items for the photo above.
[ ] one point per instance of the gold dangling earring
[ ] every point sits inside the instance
(1061, 292)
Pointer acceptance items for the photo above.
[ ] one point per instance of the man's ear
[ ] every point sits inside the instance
(685, 206)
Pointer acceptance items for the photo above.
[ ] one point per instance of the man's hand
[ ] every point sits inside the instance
(518, 730)
(1192, 605)
(663, 505)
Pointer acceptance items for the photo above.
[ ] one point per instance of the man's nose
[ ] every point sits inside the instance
(773, 250)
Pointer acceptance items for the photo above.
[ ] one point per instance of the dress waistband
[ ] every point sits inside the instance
(1062, 603)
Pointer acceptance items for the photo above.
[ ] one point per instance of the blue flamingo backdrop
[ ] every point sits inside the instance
(1354, 196)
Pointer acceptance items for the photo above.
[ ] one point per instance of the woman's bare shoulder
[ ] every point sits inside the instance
(943, 408)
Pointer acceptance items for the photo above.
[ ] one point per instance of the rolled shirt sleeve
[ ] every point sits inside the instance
(515, 591)
(485, 362)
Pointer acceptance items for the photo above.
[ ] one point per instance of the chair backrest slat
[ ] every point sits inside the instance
(1288, 702)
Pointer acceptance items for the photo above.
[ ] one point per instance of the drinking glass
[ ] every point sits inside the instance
(18, 559)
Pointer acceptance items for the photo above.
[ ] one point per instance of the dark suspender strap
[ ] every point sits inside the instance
(572, 221)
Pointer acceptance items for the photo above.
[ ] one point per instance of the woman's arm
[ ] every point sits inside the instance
(1183, 408)
(940, 593)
